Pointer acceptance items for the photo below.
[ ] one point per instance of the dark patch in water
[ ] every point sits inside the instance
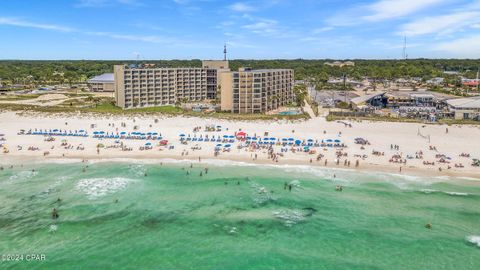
(159, 219)
(309, 211)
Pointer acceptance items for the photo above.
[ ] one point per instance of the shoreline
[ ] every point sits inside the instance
(411, 138)
(212, 161)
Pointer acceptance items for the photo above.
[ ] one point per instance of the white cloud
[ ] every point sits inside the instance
(105, 3)
(241, 7)
(147, 38)
(381, 10)
(463, 47)
(443, 24)
(389, 9)
(27, 24)
(322, 29)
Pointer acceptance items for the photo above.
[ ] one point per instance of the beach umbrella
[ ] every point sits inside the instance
(81, 130)
(149, 133)
(148, 143)
(249, 138)
(225, 136)
(272, 138)
(154, 133)
(227, 145)
(219, 145)
(329, 140)
(284, 139)
(95, 132)
(102, 132)
(254, 138)
(291, 139)
(298, 142)
(231, 136)
(123, 133)
(310, 140)
(337, 141)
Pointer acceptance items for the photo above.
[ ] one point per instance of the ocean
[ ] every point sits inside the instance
(178, 215)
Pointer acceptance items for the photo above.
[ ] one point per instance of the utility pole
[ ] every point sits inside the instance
(478, 82)
(225, 52)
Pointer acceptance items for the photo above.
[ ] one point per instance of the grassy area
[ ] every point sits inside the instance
(110, 108)
(19, 97)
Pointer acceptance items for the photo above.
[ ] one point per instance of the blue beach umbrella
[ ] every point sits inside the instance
(148, 143)
(123, 133)
(291, 139)
(225, 136)
(337, 141)
(227, 145)
(298, 142)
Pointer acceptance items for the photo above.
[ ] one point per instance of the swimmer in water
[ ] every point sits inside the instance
(55, 213)
(428, 226)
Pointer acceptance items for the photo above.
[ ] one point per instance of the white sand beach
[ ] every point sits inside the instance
(407, 148)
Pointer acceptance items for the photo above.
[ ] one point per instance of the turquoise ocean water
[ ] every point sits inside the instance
(151, 216)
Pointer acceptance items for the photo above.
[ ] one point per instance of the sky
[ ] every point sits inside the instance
(257, 29)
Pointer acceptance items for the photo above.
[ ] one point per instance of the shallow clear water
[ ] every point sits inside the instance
(235, 217)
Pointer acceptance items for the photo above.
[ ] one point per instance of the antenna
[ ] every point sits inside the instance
(225, 52)
(478, 82)
(137, 56)
(404, 53)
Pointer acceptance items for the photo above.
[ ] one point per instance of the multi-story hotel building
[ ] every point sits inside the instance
(256, 91)
(147, 86)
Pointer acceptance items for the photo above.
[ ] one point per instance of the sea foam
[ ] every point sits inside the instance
(99, 187)
(23, 175)
(473, 239)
